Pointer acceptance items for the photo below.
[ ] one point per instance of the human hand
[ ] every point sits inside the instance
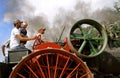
(35, 37)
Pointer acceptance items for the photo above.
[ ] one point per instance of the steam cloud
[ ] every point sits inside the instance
(22, 9)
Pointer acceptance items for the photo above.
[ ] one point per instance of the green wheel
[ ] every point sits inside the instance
(87, 38)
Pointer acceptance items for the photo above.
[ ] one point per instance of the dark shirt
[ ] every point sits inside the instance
(23, 33)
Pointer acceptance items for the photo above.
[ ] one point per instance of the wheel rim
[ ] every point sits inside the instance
(87, 38)
(51, 63)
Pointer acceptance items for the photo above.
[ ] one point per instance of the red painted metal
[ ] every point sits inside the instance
(66, 46)
(47, 45)
(51, 45)
(51, 60)
(51, 63)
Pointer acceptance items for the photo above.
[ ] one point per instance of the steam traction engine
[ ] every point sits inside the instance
(87, 39)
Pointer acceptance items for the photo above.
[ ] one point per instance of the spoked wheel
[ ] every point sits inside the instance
(51, 63)
(87, 38)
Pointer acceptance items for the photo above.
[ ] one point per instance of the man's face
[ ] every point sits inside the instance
(18, 25)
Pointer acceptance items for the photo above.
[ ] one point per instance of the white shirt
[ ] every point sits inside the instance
(42, 37)
(14, 41)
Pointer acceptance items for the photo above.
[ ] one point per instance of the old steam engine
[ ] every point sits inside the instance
(81, 55)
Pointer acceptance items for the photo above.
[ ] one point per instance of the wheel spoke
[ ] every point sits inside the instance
(31, 71)
(82, 46)
(82, 32)
(98, 38)
(48, 65)
(83, 76)
(91, 29)
(94, 51)
(55, 72)
(76, 36)
(69, 75)
(64, 67)
(20, 75)
(40, 69)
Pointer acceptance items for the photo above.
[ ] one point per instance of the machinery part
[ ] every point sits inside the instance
(37, 42)
(47, 45)
(53, 45)
(15, 56)
(87, 38)
(51, 63)
(107, 62)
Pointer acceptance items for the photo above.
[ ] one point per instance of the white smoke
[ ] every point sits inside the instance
(55, 14)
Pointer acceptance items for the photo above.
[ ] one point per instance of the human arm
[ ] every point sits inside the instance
(5, 45)
(25, 38)
(16, 34)
(3, 50)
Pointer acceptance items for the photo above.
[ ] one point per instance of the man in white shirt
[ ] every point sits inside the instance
(16, 37)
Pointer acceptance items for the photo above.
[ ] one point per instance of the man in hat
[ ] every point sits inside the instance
(23, 33)
(16, 37)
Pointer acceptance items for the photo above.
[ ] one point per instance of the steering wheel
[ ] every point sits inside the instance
(37, 42)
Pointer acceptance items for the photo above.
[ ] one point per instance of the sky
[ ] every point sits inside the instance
(45, 11)
(5, 28)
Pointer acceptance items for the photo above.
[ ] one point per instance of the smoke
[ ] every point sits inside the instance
(18, 9)
(55, 16)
